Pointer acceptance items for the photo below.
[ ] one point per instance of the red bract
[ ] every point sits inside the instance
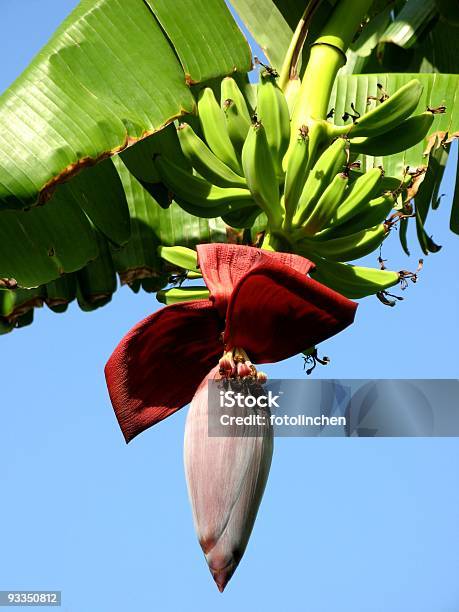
(261, 301)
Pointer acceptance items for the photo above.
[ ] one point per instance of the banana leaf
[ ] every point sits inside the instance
(417, 38)
(136, 263)
(114, 72)
(410, 23)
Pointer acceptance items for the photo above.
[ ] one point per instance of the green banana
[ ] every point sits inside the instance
(214, 128)
(353, 281)
(404, 136)
(368, 215)
(329, 164)
(182, 294)
(196, 190)
(389, 113)
(375, 212)
(237, 114)
(359, 194)
(296, 174)
(204, 161)
(179, 256)
(345, 248)
(273, 112)
(260, 174)
(326, 206)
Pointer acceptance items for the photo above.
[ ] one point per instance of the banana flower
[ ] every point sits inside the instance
(262, 308)
(226, 478)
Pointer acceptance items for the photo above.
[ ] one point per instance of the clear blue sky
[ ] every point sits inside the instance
(346, 525)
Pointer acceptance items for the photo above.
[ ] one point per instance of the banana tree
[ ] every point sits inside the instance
(136, 145)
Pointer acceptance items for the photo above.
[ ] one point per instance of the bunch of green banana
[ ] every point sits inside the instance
(244, 163)
(389, 128)
(237, 159)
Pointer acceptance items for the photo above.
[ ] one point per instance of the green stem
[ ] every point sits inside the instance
(328, 55)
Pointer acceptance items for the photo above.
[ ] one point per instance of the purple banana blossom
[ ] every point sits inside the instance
(226, 478)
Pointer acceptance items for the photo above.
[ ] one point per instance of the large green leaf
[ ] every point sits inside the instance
(205, 36)
(410, 23)
(137, 262)
(99, 192)
(109, 77)
(39, 245)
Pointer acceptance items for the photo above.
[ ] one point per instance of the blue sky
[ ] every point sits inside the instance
(346, 525)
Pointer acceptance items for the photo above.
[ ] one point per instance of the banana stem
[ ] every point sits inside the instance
(328, 55)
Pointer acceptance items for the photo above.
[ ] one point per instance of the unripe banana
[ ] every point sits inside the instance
(368, 215)
(296, 174)
(209, 166)
(273, 112)
(214, 128)
(326, 206)
(179, 256)
(198, 191)
(403, 137)
(237, 114)
(360, 192)
(182, 294)
(330, 163)
(351, 281)
(345, 248)
(260, 174)
(390, 113)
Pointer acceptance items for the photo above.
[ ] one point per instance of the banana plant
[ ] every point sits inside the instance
(136, 145)
(86, 150)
